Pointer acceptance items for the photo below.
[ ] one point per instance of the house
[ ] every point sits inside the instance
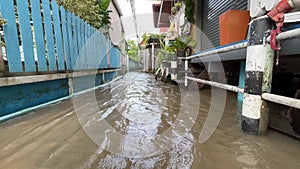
(232, 60)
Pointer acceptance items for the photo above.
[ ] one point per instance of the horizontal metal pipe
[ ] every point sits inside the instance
(216, 84)
(291, 102)
(295, 33)
(216, 51)
(25, 111)
(288, 17)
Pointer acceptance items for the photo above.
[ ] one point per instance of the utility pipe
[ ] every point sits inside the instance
(216, 51)
(295, 33)
(218, 85)
(287, 101)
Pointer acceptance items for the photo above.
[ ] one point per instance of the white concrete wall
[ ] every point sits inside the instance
(116, 32)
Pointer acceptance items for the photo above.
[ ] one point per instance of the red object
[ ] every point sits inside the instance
(277, 15)
(275, 45)
(164, 30)
(233, 26)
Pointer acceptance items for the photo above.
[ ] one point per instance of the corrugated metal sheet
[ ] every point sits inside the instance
(212, 9)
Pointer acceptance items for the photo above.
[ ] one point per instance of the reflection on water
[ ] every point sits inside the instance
(138, 123)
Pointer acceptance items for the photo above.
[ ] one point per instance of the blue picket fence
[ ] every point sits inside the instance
(40, 43)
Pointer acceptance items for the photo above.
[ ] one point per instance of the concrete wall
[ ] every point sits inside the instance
(15, 97)
(18, 97)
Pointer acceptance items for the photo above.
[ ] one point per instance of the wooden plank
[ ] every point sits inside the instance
(105, 51)
(58, 36)
(75, 41)
(98, 54)
(65, 37)
(49, 35)
(91, 51)
(102, 52)
(82, 32)
(108, 48)
(79, 58)
(86, 45)
(26, 35)
(70, 40)
(83, 59)
(86, 59)
(11, 36)
(39, 35)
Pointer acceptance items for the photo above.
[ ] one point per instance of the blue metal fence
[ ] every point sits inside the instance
(65, 42)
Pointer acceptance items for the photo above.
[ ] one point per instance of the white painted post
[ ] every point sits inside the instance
(186, 71)
(127, 63)
(259, 68)
(152, 59)
(145, 60)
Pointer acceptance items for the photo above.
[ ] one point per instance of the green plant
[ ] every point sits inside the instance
(2, 21)
(166, 52)
(105, 20)
(176, 8)
(94, 12)
(190, 11)
(133, 50)
(181, 43)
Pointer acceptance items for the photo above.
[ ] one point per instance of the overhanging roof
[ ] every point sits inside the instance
(165, 13)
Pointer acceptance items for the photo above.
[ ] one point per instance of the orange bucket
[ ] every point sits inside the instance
(233, 26)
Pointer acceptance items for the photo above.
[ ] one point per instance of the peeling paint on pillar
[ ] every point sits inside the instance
(259, 68)
(268, 72)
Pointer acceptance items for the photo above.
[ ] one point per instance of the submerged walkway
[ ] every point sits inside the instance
(118, 127)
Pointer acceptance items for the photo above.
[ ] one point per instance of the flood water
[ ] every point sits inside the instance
(140, 123)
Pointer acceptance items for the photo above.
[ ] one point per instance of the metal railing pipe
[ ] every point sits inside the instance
(218, 85)
(216, 51)
(287, 101)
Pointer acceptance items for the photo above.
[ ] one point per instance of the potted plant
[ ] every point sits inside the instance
(233, 25)
(180, 45)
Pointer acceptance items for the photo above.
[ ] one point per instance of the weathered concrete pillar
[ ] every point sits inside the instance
(70, 83)
(103, 78)
(259, 68)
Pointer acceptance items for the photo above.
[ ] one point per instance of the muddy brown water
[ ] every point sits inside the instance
(118, 127)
